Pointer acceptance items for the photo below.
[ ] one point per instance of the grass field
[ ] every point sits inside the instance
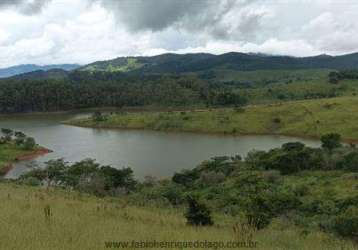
(310, 118)
(39, 218)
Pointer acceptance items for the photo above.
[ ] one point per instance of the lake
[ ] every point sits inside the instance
(146, 152)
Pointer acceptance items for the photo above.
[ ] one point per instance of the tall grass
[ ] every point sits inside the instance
(39, 218)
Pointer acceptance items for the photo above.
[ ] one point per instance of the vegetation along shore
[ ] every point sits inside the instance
(308, 118)
(16, 146)
(291, 197)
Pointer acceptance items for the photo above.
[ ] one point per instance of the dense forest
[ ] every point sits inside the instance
(59, 90)
(169, 80)
(105, 89)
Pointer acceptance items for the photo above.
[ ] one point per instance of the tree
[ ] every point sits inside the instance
(186, 177)
(8, 133)
(333, 77)
(291, 146)
(115, 178)
(98, 116)
(346, 224)
(331, 141)
(198, 214)
(350, 162)
(29, 143)
(19, 138)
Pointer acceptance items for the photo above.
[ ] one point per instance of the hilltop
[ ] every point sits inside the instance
(26, 68)
(177, 63)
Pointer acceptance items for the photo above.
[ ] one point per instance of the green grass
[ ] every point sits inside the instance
(311, 118)
(9, 152)
(79, 221)
(131, 64)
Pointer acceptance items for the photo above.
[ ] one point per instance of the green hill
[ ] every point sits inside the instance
(176, 63)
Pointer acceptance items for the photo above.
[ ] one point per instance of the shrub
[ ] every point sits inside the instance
(115, 178)
(331, 141)
(186, 177)
(149, 180)
(19, 138)
(301, 190)
(31, 181)
(271, 176)
(277, 120)
(258, 212)
(290, 146)
(258, 220)
(346, 224)
(93, 184)
(98, 117)
(29, 143)
(198, 214)
(211, 178)
(8, 133)
(349, 162)
(173, 193)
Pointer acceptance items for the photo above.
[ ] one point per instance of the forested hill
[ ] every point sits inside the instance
(191, 80)
(26, 68)
(175, 63)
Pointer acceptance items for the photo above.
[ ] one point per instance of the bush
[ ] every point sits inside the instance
(331, 141)
(173, 193)
(186, 177)
(277, 120)
(86, 175)
(272, 176)
(115, 178)
(346, 224)
(258, 212)
(349, 162)
(31, 181)
(98, 117)
(198, 214)
(92, 184)
(29, 143)
(8, 133)
(212, 178)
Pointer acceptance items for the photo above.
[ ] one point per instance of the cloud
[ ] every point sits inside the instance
(333, 33)
(223, 19)
(83, 31)
(28, 7)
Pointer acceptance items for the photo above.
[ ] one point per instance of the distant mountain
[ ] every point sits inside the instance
(42, 75)
(26, 68)
(177, 63)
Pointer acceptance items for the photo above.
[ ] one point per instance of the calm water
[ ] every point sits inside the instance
(146, 152)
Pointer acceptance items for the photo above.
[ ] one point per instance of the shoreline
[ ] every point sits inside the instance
(25, 157)
(308, 137)
(265, 125)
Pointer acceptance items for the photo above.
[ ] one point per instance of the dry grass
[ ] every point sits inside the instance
(38, 218)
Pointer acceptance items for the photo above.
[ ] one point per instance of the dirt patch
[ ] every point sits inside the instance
(25, 157)
(33, 155)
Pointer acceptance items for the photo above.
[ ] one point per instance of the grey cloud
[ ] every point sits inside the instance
(24, 6)
(195, 16)
(152, 15)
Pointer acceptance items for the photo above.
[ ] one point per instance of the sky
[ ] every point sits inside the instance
(83, 31)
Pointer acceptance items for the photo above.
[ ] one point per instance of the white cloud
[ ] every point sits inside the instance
(82, 31)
